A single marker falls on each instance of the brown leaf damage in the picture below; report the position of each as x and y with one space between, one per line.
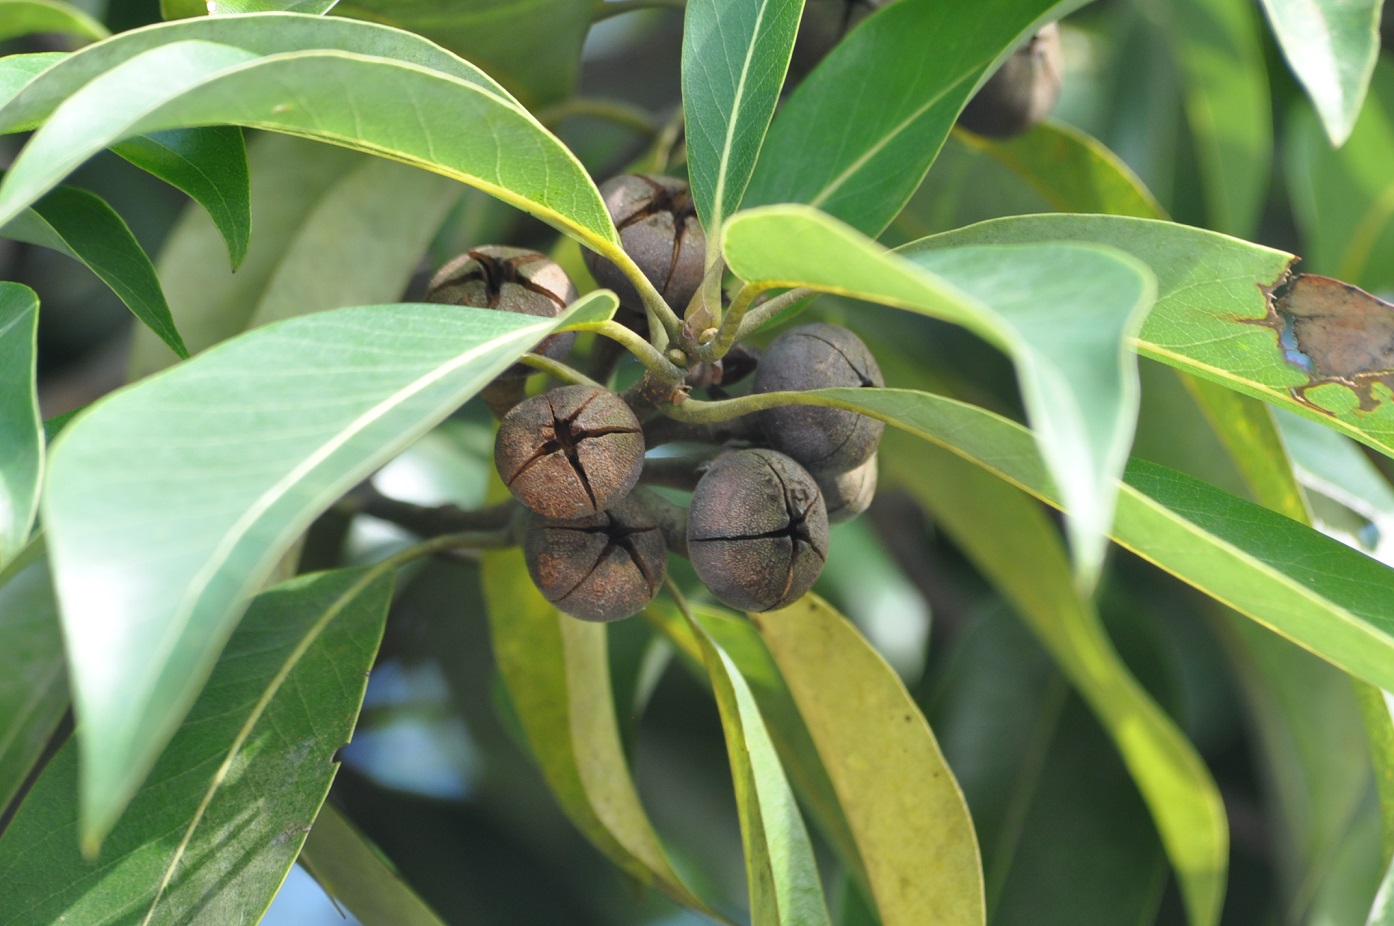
1336 333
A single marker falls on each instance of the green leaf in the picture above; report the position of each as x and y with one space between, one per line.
33 683
1249 433
182 9
905 809
1071 170
262 33
169 502
208 164
354 872
540 64
557 675
1331 46
1063 314
858 134
780 868
1046 770
1335 467
334 228
210 837
231 7
1315 591
24 17
1308 732
81 225
18 70
1344 199
734 57
1016 547
370 104
739 639
1211 317
1224 87
21 433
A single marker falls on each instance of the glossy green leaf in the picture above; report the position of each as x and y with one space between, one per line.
210 165
1331 46
33 683
169 503
540 65
354 872
781 871
262 33
231 7
905 809
557 675
740 641
1011 542
24 17
1066 839
1063 314
210 837
1335 466
1071 171
1224 87
1209 315
293 181
1343 199
734 57
1315 591
21 433
858 134
334 228
323 95
81 225
18 70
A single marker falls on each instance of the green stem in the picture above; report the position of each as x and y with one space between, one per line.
765 311
730 324
604 11
617 111
560 370
677 472
653 361
696 411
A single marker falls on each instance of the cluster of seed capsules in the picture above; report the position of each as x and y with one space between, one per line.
756 528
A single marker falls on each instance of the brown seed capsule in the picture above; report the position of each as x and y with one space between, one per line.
849 494
757 530
601 567
1021 93
659 229
570 452
511 280
819 356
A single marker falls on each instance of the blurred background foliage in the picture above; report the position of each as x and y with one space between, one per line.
1195 98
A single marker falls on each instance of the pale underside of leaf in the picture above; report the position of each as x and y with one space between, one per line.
169 502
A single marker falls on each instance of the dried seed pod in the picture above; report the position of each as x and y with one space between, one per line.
848 494
819 356
1021 93
757 530
570 452
511 280
601 567
659 229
